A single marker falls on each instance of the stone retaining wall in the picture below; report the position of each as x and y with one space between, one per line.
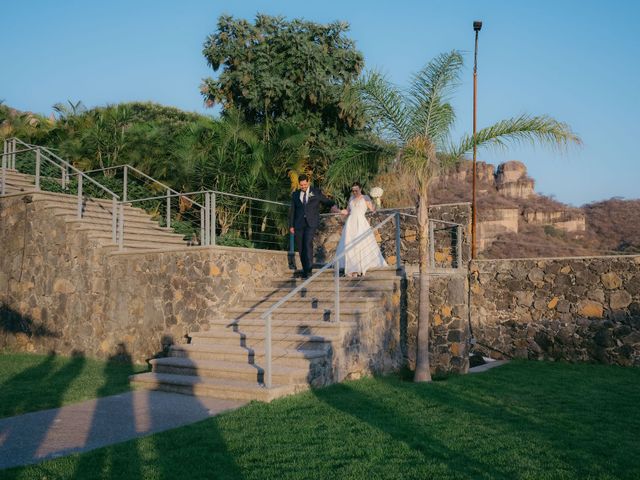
449 325
574 309
60 292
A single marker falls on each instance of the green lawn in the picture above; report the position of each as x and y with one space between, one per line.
31 382
523 420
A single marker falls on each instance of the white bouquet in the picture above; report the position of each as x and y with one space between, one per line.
376 193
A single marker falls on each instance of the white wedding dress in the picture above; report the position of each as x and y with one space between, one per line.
366 253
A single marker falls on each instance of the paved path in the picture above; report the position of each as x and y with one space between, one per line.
487 366
83 426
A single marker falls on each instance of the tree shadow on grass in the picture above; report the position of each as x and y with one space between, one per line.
151 456
19 395
101 461
384 413
53 385
559 421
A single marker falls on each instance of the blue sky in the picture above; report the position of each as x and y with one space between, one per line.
574 60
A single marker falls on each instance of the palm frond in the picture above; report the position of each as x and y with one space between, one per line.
430 90
523 129
387 107
359 160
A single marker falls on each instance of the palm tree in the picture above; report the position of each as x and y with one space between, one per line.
418 124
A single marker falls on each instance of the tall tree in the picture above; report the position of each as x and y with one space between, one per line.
419 122
276 70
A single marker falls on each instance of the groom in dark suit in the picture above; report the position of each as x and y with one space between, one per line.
304 217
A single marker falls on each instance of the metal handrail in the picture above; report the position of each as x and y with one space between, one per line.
266 316
207 211
57 158
131 167
10 151
66 164
324 268
200 192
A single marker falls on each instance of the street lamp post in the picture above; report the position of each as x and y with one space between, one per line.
477 25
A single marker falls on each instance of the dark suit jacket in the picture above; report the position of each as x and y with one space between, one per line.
309 215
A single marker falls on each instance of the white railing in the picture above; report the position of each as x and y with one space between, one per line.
335 264
213 205
45 156
208 212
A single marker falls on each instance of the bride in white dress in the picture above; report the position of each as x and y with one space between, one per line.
366 253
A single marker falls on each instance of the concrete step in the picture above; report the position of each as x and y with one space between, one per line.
235 353
347 302
381 272
281 374
18 181
89 208
104 218
65 198
218 388
96 214
249 326
323 292
359 282
87 224
297 314
9 188
282 356
255 340
15 175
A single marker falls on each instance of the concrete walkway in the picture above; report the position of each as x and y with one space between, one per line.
488 366
79 427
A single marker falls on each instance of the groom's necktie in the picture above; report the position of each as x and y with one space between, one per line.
304 202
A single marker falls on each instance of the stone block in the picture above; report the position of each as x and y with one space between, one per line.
611 280
536 275
590 309
619 299
62 285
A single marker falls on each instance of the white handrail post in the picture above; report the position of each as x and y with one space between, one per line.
63 177
397 222
121 228
202 213
79 195
336 281
125 182
207 218
38 160
13 154
267 352
114 220
168 208
213 218
4 167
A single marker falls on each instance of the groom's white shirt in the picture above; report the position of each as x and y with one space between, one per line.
302 195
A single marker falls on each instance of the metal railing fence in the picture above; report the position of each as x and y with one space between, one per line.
52 173
206 217
335 264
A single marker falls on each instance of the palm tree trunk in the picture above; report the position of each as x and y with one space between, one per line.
423 371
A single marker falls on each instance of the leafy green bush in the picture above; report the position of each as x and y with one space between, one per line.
233 239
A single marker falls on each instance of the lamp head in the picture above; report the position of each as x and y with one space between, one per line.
477 25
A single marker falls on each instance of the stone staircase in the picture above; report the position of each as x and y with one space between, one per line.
308 348
140 231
